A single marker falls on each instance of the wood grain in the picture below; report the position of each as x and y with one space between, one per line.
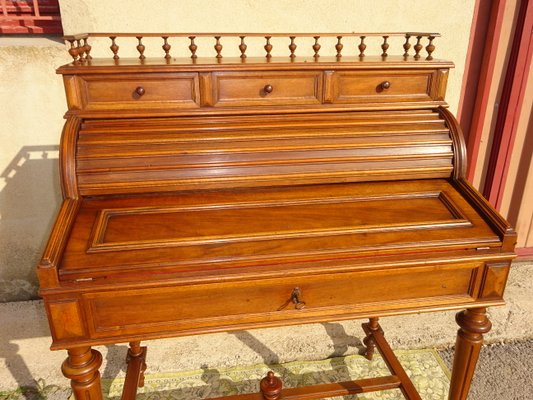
212 194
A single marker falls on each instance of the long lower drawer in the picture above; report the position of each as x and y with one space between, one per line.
214 306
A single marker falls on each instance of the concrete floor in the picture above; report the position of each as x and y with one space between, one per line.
504 371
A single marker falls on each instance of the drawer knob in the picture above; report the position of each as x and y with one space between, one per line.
268 89
385 85
140 90
295 298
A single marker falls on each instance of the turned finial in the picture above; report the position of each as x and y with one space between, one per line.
271 387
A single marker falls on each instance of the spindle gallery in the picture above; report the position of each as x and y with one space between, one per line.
80 49
321 181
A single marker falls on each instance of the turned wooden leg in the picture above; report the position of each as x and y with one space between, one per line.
135 373
81 367
473 324
271 386
368 341
136 351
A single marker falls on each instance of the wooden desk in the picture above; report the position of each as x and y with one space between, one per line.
217 194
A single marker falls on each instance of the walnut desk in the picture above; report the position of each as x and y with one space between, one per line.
207 194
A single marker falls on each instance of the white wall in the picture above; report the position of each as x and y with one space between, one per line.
32 104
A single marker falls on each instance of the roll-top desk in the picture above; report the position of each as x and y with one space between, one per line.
207 194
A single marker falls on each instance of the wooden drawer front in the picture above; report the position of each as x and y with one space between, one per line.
386 86
120 92
251 88
204 307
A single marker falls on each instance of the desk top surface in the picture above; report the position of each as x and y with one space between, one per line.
218 230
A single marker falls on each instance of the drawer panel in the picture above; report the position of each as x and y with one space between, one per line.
266 88
201 307
140 91
386 86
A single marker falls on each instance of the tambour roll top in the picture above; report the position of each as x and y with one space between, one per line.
167 154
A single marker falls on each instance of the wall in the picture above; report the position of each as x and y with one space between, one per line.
33 102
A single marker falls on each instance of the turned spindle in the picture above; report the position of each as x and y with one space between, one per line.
166 47
417 47
193 47
268 46
316 46
87 48
406 45
81 50
73 51
271 387
243 47
339 47
114 47
218 47
134 352
430 48
384 46
369 341
292 46
140 48
362 46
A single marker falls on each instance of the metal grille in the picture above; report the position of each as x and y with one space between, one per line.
30 16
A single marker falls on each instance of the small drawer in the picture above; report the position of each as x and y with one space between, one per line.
139 91
205 307
382 87
266 88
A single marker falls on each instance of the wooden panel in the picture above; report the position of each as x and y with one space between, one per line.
386 86
248 88
150 227
230 229
494 280
66 320
269 299
99 92
263 150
